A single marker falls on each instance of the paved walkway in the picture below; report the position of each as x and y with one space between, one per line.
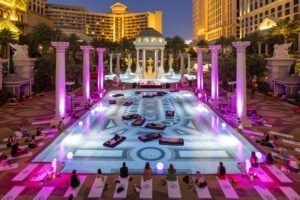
277 113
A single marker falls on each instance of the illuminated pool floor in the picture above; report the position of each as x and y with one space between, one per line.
206 141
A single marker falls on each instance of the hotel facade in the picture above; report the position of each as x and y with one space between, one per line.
215 18
119 22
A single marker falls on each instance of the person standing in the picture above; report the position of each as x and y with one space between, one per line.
147 172
171 173
75 182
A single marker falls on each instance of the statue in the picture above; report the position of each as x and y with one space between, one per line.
21 51
281 51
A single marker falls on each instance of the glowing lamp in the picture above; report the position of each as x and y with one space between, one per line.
70 155
258 155
199 95
223 125
248 165
160 166
100 95
92 111
80 123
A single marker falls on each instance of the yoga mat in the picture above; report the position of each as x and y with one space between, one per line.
25 172
42 173
96 192
174 189
228 189
264 193
262 175
146 191
44 193
290 193
3 146
12 166
13 193
278 173
52 130
41 122
124 183
202 193
75 191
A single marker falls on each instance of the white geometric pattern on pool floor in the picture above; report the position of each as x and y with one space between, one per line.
206 142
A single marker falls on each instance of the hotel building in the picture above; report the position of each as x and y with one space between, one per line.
215 18
119 22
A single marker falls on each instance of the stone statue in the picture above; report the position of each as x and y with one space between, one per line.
281 51
21 51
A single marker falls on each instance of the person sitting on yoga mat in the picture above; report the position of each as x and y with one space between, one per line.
171 173
124 171
10 141
269 159
32 143
200 180
16 151
222 171
147 172
75 182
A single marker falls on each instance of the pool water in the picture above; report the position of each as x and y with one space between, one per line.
207 138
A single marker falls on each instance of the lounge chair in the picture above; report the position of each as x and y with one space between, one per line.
174 90
171 141
127 103
113 142
161 93
112 101
118 95
138 122
149 137
148 96
155 126
170 113
127 117
137 92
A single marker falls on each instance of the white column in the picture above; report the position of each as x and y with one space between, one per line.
138 68
162 59
214 71
189 63
100 80
110 63
155 61
200 69
118 56
181 64
60 80
170 63
241 90
128 63
86 72
144 62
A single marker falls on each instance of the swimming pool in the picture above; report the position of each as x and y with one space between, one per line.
207 138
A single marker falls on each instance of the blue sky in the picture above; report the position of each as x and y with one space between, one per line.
177 14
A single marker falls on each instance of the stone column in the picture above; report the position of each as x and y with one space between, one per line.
100 80
181 64
128 63
110 63
162 59
241 90
189 63
259 48
138 68
60 81
170 63
86 72
200 69
155 61
266 50
118 56
214 71
144 62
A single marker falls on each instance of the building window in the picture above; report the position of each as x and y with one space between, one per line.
272 10
287 5
279 7
287 12
296 2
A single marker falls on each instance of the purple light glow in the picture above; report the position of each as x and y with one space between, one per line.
62 104
70 155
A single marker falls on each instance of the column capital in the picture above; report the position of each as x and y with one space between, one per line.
188 55
100 50
156 50
200 50
111 55
214 48
170 55
181 55
86 49
118 55
241 46
129 55
60 46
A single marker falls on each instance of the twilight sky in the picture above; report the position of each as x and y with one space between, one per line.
177 14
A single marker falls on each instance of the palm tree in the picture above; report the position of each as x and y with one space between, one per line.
287 29
74 44
202 43
224 42
256 38
6 37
